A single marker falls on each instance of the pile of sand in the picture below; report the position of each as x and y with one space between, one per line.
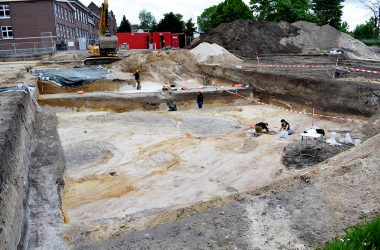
213 54
163 66
314 38
247 37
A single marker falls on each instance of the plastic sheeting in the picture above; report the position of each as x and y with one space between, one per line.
72 76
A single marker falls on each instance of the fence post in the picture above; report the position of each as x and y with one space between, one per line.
14 47
35 50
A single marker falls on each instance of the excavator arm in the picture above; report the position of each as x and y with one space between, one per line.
104 51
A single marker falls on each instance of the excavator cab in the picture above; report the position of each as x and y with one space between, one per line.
104 51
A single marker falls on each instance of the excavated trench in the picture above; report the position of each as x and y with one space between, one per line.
88 176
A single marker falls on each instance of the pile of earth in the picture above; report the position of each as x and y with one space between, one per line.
160 65
213 54
312 153
247 38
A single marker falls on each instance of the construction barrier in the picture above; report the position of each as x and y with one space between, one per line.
318 66
305 113
363 70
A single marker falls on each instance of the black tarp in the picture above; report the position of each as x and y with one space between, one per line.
72 76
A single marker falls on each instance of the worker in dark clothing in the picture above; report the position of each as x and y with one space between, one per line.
284 125
137 78
172 106
262 126
200 99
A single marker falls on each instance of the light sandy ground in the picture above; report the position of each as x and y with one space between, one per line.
12 73
120 164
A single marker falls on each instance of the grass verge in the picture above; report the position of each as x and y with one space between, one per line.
361 237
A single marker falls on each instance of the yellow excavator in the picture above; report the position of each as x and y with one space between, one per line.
104 51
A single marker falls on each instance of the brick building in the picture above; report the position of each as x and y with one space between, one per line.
35 23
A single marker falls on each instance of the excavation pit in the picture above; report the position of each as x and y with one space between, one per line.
150 162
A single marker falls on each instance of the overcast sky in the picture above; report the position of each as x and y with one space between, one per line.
354 12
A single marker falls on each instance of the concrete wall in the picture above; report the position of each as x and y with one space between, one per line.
330 95
16 130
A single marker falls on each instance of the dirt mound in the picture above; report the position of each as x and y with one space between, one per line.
246 38
160 65
213 54
292 157
314 38
66 56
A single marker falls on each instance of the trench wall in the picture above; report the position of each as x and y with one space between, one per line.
16 130
146 101
332 96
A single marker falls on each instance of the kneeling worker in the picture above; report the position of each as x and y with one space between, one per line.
172 106
260 126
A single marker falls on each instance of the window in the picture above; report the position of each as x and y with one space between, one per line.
66 14
6 31
4 11
56 10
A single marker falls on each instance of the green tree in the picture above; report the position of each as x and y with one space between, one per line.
190 27
147 20
281 10
225 12
263 9
206 21
125 26
374 7
344 27
328 12
367 30
172 23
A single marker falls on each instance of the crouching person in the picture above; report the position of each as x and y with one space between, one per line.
172 106
285 129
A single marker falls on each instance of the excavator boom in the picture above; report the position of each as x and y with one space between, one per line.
104 52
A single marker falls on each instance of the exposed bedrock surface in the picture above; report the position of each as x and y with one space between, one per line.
16 131
331 96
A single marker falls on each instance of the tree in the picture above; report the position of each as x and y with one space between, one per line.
281 10
125 26
225 12
367 30
263 9
206 21
328 12
190 27
147 20
374 7
172 23
344 27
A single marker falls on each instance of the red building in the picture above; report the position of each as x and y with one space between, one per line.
135 40
162 39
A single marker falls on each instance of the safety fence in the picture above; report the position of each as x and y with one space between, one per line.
306 113
27 48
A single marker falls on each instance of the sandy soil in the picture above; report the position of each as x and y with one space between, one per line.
141 163
12 73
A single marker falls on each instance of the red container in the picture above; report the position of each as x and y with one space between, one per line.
138 40
162 39
178 40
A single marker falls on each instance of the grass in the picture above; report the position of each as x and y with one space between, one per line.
361 237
